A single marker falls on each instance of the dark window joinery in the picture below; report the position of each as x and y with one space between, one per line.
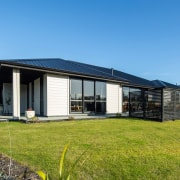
87 96
142 103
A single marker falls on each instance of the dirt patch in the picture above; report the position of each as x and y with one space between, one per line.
15 171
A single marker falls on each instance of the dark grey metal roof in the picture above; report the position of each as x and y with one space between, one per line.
163 84
66 66
76 68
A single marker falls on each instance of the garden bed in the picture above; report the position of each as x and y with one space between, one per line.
17 171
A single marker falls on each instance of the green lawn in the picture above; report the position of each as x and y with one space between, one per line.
118 148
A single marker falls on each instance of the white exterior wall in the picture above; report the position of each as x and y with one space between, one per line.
120 99
114 98
57 95
45 94
37 96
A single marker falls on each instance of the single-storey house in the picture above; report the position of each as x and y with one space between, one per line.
57 87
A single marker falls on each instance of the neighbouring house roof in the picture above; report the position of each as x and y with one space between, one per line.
76 68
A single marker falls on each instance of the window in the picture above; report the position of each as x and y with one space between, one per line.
76 95
133 102
142 103
136 102
125 108
100 97
87 96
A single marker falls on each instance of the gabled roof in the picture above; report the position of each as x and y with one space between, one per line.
76 68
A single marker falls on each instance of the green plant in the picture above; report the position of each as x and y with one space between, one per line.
63 173
34 119
71 118
43 175
8 101
118 114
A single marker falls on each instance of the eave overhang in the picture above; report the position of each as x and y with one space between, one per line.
61 72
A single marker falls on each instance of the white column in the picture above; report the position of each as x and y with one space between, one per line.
16 94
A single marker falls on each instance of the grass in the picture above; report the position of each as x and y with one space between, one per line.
118 148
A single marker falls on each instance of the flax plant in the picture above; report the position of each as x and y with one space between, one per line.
63 173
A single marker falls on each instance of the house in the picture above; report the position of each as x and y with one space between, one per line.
57 87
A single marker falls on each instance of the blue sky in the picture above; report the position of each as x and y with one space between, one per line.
140 37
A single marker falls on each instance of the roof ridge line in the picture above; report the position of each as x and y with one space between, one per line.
32 59
87 65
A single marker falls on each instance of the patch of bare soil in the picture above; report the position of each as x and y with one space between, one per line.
15 171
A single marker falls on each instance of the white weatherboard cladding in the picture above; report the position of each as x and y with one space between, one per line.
45 94
113 98
57 95
37 96
120 99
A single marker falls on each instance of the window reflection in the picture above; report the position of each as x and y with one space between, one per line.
76 89
89 90
125 108
136 102
100 91
89 96
76 106
100 97
142 103
76 95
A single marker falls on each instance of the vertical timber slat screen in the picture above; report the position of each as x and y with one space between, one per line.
171 105
153 105
142 103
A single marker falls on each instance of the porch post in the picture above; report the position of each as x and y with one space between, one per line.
16 94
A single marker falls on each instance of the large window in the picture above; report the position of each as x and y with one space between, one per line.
142 103
87 96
